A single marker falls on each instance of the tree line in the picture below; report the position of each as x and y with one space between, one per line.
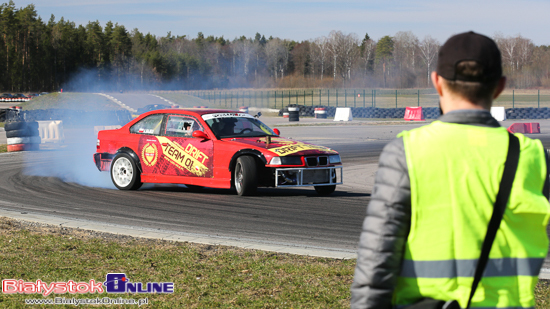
36 55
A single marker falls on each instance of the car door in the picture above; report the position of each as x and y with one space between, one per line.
180 154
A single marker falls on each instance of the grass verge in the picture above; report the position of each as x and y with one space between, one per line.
204 276
3 148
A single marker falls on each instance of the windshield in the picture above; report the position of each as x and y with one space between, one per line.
236 125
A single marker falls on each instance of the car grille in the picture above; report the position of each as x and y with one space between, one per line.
317 161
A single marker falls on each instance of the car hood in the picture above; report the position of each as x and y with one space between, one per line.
279 146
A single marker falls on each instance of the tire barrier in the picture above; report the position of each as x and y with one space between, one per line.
22 135
528 113
429 112
293 113
320 113
364 112
10 100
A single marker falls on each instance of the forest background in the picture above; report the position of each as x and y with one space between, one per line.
40 56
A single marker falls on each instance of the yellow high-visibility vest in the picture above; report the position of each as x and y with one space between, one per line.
455 172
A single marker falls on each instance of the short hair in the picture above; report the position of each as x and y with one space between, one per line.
480 93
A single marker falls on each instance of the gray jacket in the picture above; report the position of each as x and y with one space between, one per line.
388 219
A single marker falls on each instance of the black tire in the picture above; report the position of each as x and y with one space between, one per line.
15 125
18 133
245 176
125 173
22 133
325 190
33 125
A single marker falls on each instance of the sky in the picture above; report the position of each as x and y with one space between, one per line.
309 19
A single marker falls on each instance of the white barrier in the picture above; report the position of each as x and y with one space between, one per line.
498 113
51 131
343 114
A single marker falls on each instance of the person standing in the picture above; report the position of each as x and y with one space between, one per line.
434 193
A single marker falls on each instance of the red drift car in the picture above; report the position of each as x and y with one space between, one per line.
212 148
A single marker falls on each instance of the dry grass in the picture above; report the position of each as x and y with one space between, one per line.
204 276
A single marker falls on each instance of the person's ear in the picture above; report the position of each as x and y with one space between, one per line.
437 81
500 87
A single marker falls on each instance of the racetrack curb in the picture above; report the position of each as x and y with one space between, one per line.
126 230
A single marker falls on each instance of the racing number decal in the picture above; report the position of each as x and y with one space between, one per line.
189 157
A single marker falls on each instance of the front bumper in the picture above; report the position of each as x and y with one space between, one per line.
312 176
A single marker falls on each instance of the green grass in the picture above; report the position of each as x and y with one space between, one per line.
204 276
3 148
71 100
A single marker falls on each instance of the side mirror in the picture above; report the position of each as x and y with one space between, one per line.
258 115
200 134
277 131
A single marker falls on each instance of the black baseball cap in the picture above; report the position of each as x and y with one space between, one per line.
470 46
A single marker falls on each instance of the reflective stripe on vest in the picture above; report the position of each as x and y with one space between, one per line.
466 268
405 306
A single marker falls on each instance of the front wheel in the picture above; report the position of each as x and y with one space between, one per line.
325 190
124 173
245 176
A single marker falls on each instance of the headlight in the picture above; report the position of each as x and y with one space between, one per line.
334 159
286 161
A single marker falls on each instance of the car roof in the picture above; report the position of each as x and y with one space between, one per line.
191 111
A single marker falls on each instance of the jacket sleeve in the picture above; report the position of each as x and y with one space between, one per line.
385 230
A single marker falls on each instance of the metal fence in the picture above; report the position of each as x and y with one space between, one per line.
382 98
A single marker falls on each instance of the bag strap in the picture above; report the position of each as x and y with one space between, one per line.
508 175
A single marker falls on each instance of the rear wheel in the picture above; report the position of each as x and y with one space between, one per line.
245 176
124 173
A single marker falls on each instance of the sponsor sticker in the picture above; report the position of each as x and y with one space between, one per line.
297 147
187 157
225 115
149 154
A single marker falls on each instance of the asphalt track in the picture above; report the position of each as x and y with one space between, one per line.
62 185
